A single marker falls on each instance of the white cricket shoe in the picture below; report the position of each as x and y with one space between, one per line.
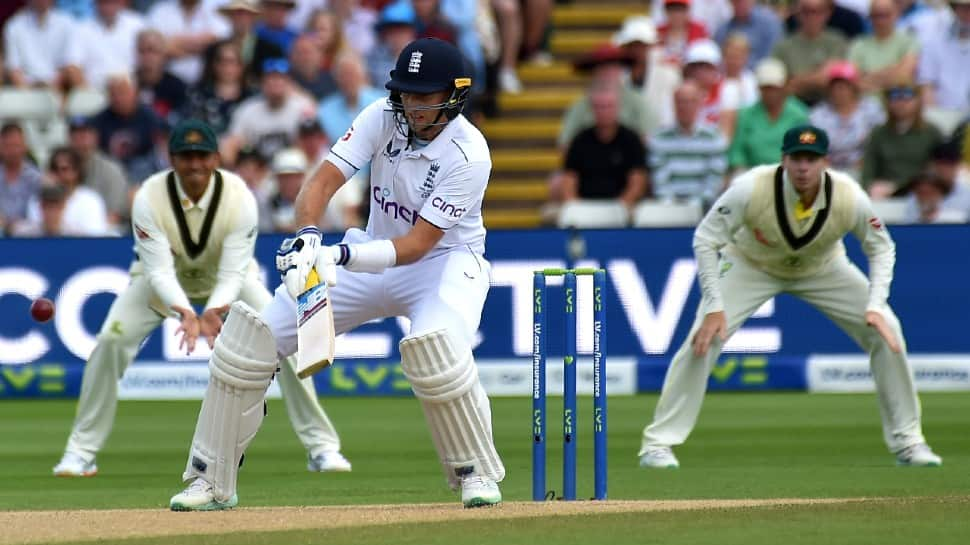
72 465
659 457
199 497
479 491
918 455
327 461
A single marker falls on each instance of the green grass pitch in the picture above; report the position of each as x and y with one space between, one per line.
745 446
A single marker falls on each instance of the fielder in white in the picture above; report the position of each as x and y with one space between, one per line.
422 256
195 232
779 229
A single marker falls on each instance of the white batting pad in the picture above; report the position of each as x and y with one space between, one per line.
241 368
445 379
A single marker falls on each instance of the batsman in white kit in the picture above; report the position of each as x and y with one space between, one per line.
779 229
195 232
422 256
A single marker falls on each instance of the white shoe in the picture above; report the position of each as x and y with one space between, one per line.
508 81
479 491
199 497
659 457
918 455
72 465
328 460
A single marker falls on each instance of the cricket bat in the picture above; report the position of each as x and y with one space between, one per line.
314 327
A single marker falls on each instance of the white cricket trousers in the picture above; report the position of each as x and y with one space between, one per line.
841 292
129 321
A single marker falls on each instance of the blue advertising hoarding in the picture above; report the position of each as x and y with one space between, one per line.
652 295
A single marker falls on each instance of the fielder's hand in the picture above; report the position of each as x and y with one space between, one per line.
714 324
189 328
875 320
210 323
296 257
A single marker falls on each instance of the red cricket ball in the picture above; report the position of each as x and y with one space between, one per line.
42 309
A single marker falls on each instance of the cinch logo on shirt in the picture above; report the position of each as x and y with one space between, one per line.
393 208
448 208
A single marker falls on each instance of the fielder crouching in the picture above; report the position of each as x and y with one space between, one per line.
422 256
779 229
195 232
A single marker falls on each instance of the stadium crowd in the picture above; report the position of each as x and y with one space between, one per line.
679 102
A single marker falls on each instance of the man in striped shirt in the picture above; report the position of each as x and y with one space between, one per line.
688 160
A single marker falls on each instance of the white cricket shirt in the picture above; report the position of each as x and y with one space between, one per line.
443 182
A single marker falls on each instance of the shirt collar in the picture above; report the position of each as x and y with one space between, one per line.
203 203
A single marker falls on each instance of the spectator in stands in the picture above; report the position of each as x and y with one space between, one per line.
944 85
325 28
688 161
758 23
253 167
955 193
190 28
395 28
607 160
713 14
37 44
289 169
105 43
19 180
537 15
761 128
432 23
888 54
52 200
924 20
679 31
273 27
221 90
100 172
157 87
702 65
931 200
508 16
357 21
739 88
156 160
85 213
840 19
268 120
253 48
609 67
306 61
126 126
808 52
899 149
312 141
848 116
656 81
338 110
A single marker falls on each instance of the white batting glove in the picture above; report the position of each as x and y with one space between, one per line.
296 257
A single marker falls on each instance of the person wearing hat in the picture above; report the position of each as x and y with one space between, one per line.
396 27
421 256
655 80
273 25
702 65
779 229
195 232
608 67
269 119
252 48
759 128
848 115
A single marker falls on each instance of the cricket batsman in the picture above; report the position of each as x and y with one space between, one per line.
421 256
779 229
195 231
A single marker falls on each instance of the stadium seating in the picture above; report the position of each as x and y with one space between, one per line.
890 210
652 213
584 214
